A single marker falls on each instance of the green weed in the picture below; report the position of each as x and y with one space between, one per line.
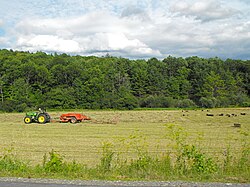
9 163
54 163
107 157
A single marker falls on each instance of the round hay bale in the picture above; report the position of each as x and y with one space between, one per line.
210 114
238 125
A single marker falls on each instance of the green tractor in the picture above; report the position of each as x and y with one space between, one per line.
37 117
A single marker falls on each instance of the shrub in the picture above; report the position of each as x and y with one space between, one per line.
128 102
186 103
208 102
158 102
245 104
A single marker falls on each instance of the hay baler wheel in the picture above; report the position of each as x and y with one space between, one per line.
27 120
73 120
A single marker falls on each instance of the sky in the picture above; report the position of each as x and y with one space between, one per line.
135 29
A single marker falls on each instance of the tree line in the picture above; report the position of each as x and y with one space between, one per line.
60 81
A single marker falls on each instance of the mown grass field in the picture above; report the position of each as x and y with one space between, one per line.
83 141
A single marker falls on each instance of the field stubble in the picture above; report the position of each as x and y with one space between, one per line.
83 141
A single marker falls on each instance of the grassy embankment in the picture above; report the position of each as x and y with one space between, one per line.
148 145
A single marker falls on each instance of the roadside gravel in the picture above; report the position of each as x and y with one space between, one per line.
71 183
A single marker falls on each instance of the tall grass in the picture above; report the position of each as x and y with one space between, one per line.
185 162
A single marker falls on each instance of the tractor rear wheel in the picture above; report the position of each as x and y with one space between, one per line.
27 120
41 118
47 117
73 120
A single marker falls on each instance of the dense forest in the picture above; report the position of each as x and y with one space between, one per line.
32 80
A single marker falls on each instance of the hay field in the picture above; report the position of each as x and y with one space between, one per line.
83 141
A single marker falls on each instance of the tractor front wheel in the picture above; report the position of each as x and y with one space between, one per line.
41 118
27 120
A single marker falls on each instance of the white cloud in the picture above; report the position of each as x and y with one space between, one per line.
82 35
205 10
47 43
3 41
130 28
